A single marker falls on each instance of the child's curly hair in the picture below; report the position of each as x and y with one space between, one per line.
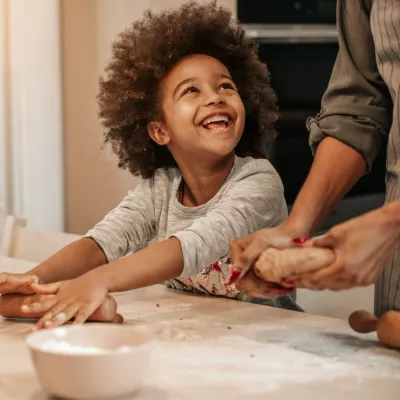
145 53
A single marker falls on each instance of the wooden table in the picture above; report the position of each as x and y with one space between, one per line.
211 348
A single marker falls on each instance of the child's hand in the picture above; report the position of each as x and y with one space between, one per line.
16 283
246 251
77 298
252 285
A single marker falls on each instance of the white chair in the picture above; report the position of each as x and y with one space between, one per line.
24 243
336 304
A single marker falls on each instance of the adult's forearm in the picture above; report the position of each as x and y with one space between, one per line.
391 213
336 168
70 262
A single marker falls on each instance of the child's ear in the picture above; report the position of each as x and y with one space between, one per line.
158 133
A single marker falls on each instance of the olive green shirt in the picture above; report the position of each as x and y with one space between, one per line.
361 104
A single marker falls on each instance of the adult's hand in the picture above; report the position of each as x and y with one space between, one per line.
361 245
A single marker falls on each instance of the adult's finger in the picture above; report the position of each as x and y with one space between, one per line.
328 240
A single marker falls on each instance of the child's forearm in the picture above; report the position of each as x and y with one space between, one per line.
154 264
70 262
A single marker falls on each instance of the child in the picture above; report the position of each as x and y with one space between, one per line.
187 105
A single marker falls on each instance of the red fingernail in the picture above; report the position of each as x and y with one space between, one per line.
235 273
300 240
288 282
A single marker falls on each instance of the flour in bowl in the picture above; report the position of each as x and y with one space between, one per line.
63 347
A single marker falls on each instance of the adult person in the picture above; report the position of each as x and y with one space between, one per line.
359 116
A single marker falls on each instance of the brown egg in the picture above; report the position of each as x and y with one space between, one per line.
363 321
389 329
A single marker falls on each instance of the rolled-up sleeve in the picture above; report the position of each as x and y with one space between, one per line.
356 107
130 226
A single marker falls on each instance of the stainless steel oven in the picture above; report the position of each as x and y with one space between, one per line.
298 42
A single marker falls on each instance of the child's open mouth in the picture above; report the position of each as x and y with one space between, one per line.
217 123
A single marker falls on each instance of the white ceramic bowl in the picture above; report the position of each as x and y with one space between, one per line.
115 367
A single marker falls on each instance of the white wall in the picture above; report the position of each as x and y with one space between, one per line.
3 112
31 154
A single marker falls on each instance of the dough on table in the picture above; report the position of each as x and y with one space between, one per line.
10 307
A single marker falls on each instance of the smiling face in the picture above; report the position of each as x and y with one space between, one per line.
203 112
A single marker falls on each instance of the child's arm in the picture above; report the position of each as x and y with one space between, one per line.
70 262
154 264
81 297
128 227
255 200
249 204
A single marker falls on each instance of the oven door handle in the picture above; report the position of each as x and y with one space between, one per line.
276 34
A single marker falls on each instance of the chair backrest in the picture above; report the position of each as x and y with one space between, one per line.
336 304
19 241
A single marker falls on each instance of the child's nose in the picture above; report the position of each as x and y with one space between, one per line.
215 98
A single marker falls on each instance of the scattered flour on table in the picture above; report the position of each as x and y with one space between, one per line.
240 363
185 356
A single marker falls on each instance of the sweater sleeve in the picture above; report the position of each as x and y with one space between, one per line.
130 226
356 107
249 204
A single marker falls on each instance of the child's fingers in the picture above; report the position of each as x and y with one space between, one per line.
51 314
22 280
49 288
263 243
41 324
237 248
251 254
82 315
3 277
61 315
16 284
251 285
30 281
39 306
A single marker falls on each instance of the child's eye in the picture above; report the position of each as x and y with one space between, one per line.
227 85
190 89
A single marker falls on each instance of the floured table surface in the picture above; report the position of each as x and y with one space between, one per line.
211 348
